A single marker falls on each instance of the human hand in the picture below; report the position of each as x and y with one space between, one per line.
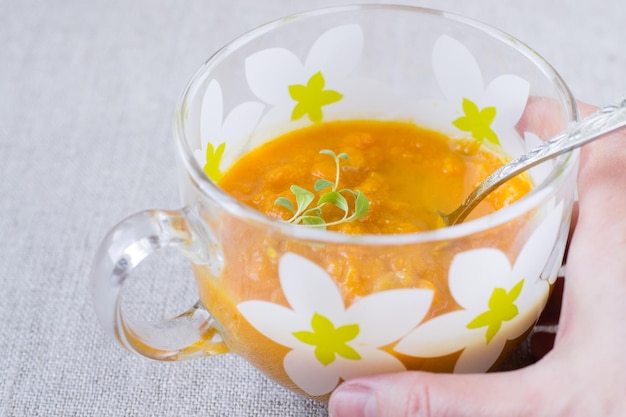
585 373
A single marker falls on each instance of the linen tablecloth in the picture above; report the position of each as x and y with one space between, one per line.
87 94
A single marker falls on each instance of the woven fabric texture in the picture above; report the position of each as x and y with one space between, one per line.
87 94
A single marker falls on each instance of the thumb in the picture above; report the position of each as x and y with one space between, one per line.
415 394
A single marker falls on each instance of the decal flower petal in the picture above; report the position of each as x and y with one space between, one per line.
539 247
337 50
485 113
218 136
316 379
456 70
499 302
330 342
263 315
308 373
308 288
471 283
383 327
302 91
271 71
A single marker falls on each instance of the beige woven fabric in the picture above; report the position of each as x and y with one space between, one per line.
87 92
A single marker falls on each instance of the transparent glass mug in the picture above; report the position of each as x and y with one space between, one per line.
308 307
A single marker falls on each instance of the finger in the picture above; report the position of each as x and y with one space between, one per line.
585 109
440 395
534 118
596 263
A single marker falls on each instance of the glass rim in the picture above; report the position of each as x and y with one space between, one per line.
562 167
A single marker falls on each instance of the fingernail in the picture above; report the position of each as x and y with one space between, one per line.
353 401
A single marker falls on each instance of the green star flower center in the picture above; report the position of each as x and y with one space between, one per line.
328 340
310 98
477 122
213 161
501 308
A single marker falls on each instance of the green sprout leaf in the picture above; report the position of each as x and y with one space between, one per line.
312 216
362 205
334 198
314 221
286 203
303 197
321 184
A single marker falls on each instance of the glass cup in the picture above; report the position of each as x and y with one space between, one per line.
311 308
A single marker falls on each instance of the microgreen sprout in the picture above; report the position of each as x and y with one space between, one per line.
303 214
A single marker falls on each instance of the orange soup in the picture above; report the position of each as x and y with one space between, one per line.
408 174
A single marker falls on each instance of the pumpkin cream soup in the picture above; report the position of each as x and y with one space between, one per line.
403 175
407 173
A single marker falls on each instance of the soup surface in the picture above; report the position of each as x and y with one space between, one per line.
407 173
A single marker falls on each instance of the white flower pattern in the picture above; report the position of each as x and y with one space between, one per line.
218 135
499 302
330 342
487 113
300 93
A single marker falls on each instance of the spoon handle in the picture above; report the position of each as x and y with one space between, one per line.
604 121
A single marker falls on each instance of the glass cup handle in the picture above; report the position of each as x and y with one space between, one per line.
189 335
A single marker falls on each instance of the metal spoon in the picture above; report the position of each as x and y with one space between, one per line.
604 121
